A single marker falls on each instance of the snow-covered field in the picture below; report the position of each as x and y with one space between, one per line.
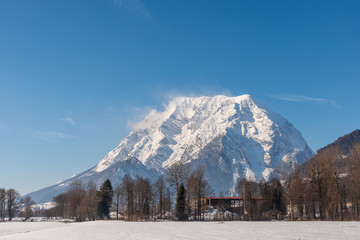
179 230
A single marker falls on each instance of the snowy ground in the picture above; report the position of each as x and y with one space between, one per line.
179 230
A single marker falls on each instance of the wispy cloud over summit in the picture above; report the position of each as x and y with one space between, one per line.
301 98
69 120
47 135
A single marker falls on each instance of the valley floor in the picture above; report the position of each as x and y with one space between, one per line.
179 230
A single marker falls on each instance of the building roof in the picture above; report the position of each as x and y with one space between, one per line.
232 198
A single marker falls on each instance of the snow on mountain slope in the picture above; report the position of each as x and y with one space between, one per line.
234 137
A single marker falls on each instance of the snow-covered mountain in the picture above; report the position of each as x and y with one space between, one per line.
234 137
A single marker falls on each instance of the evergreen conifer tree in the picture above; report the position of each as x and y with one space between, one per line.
180 204
105 197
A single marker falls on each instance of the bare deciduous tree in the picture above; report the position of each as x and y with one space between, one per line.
117 198
286 171
27 207
316 172
335 167
12 200
143 191
197 188
87 209
75 194
354 180
248 190
177 174
160 188
61 202
2 203
128 188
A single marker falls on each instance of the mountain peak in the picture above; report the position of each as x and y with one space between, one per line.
233 137
239 134
188 106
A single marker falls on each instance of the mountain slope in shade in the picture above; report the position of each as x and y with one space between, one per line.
234 137
346 142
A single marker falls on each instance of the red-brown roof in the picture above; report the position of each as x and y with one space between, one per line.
232 198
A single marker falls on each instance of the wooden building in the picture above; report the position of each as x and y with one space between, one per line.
237 205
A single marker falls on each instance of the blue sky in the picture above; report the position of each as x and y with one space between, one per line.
74 74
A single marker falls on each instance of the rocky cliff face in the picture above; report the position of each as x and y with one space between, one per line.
234 137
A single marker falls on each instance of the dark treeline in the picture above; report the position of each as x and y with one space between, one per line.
326 187
176 196
133 200
137 199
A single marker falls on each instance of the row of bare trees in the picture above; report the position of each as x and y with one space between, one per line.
138 199
81 202
11 205
327 187
134 200
190 188
78 202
